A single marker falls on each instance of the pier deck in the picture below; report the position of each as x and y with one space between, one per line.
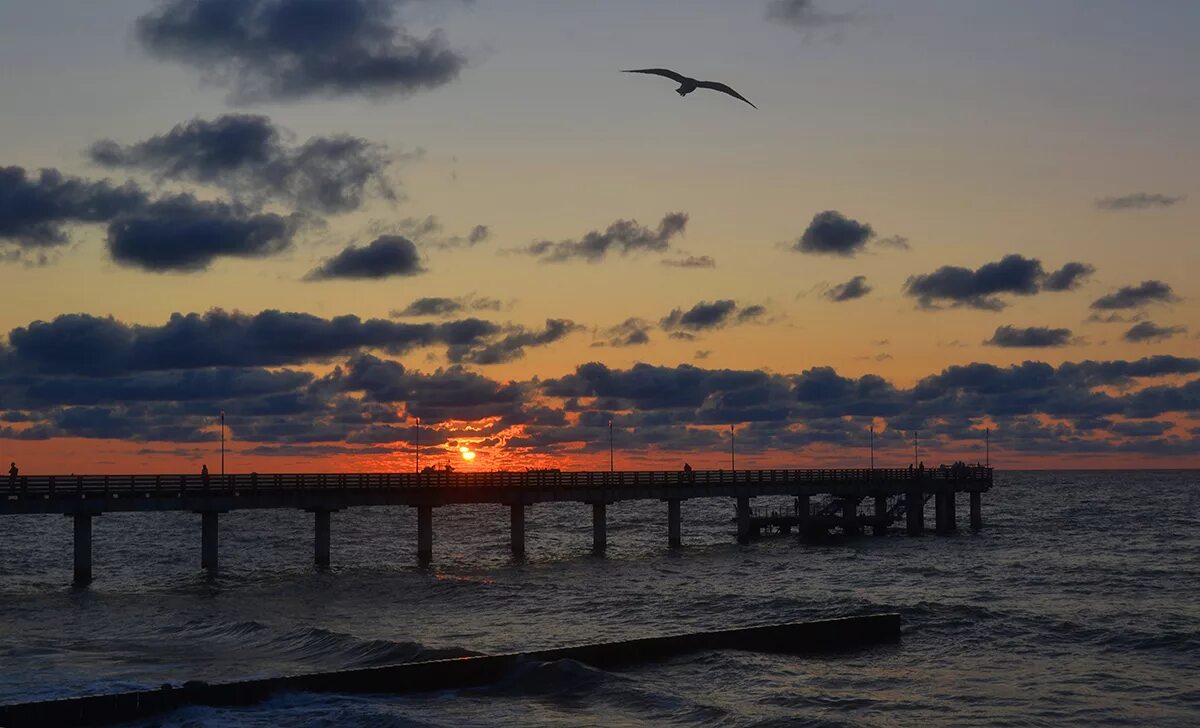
86 496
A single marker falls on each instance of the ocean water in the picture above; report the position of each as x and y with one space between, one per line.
1078 604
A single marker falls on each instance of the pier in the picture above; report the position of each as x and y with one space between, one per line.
892 495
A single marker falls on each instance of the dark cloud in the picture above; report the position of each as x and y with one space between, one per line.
897 242
832 233
433 306
429 232
1138 201
93 346
623 236
804 14
35 208
854 288
691 261
1148 331
703 316
512 345
248 156
182 234
1012 275
384 257
1069 277
283 50
1129 297
1031 337
630 332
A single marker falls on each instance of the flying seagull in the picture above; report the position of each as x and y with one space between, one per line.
688 85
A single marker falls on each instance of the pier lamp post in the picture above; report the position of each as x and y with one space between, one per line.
916 447
417 447
732 452
987 445
872 446
611 462
222 444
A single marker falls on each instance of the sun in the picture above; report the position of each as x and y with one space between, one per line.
467 453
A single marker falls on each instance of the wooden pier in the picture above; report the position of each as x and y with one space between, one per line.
896 494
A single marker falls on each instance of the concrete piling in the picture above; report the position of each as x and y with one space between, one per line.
599 527
83 548
881 509
914 509
208 540
424 535
674 523
321 518
743 519
517 528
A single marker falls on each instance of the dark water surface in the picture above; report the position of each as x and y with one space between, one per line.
1079 604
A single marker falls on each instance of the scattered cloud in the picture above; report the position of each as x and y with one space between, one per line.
630 332
34 209
384 257
804 14
444 307
1148 331
832 233
1015 275
1030 337
285 50
854 288
691 261
897 242
248 156
512 345
623 236
181 234
1132 297
430 233
1138 201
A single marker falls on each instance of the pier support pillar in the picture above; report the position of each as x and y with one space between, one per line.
803 509
83 548
880 515
424 535
951 512
914 511
976 510
939 513
743 519
517 528
321 538
674 523
599 527
208 540
850 524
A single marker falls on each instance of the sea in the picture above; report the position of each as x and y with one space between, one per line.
1078 604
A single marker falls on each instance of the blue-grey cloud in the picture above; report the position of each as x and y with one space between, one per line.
1138 201
1069 277
248 156
385 257
832 233
854 288
804 14
981 288
703 316
441 306
512 345
630 332
34 209
1131 297
691 261
1148 331
283 50
182 234
1029 337
623 236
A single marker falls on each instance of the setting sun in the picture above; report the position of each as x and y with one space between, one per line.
467 453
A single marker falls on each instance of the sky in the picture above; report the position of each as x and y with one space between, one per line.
327 218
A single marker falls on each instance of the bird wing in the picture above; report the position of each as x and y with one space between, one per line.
666 73
714 86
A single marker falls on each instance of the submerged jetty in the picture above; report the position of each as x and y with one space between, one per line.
892 495
799 638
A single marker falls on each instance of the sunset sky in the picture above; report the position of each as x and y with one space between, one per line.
329 217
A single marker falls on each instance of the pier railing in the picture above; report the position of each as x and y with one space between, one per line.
109 485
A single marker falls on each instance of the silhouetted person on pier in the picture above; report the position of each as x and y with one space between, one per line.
13 470
688 474
204 474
